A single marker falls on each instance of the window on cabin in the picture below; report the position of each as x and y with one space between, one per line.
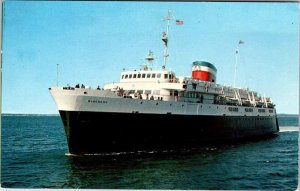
166 76
158 75
131 91
235 109
139 91
156 92
126 76
153 76
170 76
148 75
134 75
139 76
130 75
248 110
147 91
144 75
122 76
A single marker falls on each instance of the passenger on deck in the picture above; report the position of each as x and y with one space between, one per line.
98 88
176 95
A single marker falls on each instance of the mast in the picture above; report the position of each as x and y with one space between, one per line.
57 74
165 36
236 60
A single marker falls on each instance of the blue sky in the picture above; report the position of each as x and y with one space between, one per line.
93 41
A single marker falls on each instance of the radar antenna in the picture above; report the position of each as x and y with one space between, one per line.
149 58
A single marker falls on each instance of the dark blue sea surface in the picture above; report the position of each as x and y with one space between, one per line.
34 155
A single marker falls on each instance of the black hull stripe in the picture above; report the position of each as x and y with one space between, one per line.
98 132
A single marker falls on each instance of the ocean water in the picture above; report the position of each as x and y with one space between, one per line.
35 155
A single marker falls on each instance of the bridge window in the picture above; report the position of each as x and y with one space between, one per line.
158 75
148 75
130 75
122 76
166 76
126 76
144 75
153 76
139 76
134 75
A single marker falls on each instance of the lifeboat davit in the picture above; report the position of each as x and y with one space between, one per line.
204 71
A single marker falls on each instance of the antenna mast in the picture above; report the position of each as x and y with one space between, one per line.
236 60
165 37
57 74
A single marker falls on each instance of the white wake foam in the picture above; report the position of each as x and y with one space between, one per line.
288 129
69 154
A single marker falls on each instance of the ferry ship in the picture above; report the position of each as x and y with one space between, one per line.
153 108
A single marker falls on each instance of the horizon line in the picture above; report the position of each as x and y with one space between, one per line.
58 114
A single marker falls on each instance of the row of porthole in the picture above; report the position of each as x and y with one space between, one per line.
170 104
200 106
229 108
183 105
254 119
258 119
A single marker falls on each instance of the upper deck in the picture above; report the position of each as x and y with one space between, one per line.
146 75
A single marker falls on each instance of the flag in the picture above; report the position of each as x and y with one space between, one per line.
241 42
179 22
